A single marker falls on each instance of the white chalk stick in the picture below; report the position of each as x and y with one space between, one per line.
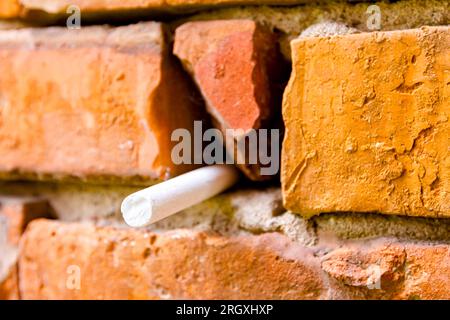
167 198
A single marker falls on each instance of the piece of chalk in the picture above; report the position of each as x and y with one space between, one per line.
167 198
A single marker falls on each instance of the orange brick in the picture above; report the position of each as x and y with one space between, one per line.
389 270
95 102
137 264
236 66
82 261
367 124
9 9
15 214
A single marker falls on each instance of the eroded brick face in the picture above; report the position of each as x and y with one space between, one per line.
181 264
368 124
114 263
95 102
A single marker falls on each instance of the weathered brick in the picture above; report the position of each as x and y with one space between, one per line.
82 261
15 214
389 270
96 102
236 66
367 124
9 9
180 264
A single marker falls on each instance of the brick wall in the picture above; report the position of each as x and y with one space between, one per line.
358 210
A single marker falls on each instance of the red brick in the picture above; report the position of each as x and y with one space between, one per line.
392 270
186 264
236 66
179 264
92 103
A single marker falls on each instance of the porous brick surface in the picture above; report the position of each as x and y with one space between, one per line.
114 263
92 103
367 124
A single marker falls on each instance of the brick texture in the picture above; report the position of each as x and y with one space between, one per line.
367 124
15 214
116 263
235 64
91 112
91 103
180 264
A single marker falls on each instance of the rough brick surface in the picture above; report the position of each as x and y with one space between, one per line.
236 66
384 270
15 214
367 124
137 264
95 102
183 264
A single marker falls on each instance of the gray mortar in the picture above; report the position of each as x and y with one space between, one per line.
363 225
73 202
247 211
